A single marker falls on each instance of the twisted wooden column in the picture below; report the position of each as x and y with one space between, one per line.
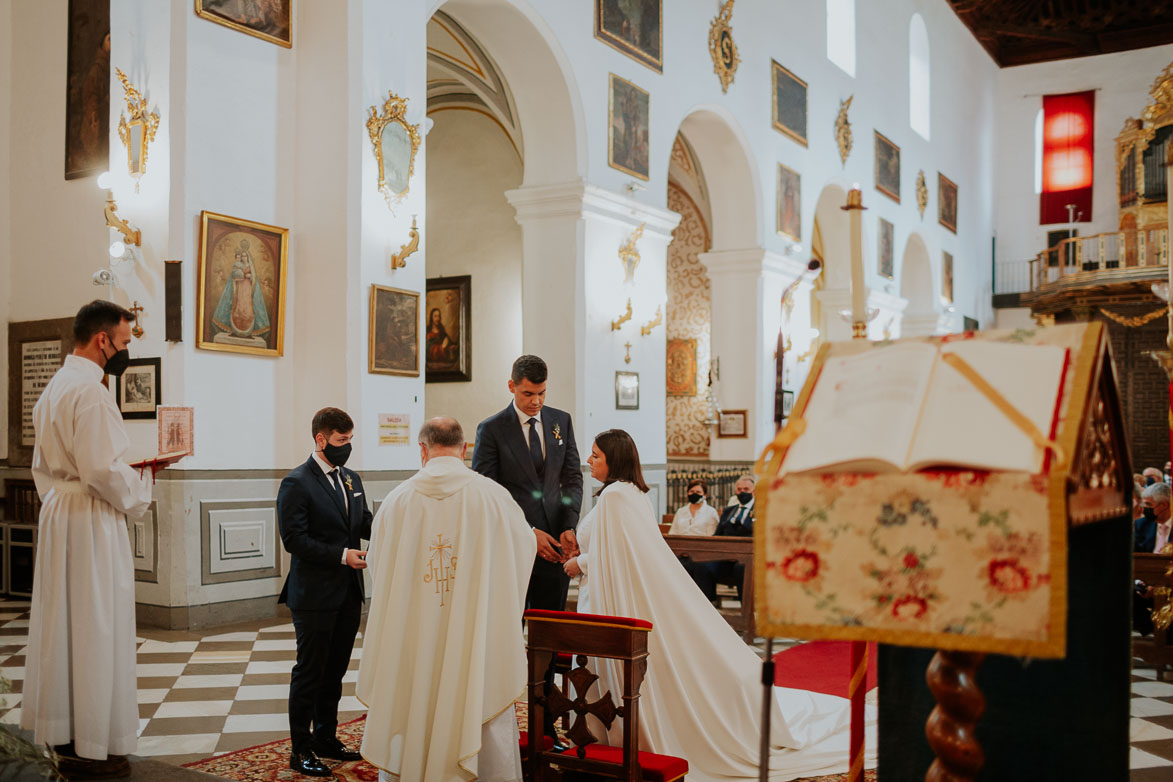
951 728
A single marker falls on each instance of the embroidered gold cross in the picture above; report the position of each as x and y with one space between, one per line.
441 568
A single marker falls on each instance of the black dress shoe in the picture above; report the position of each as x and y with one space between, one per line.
307 763
334 749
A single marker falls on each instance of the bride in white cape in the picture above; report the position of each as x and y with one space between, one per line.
701 698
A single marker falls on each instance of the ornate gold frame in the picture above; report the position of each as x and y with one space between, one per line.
394 112
943 182
620 45
721 46
147 122
611 127
214 17
277 321
775 71
371 369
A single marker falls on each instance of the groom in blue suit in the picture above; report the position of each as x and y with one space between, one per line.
529 449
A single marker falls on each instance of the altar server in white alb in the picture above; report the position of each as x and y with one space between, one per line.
80 688
443 657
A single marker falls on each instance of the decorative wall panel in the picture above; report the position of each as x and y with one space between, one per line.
144 544
238 540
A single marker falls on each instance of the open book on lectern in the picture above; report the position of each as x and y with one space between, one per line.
903 407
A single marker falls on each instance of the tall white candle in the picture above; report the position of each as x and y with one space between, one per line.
858 289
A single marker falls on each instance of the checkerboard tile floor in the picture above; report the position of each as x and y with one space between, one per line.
210 692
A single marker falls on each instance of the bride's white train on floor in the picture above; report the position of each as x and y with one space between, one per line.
701 697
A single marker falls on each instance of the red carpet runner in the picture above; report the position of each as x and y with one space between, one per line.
821 666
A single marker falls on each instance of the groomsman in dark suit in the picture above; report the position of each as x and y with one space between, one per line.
737 521
529 449
322 512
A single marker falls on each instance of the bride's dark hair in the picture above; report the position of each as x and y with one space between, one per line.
622 458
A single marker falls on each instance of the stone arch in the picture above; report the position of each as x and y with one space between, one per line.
918 287
731 176
538 72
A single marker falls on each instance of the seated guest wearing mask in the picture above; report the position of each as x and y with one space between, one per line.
698 517
1152 475
737 521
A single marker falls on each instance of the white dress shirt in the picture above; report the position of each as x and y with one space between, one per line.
524 419
328 470
1162 535
703 523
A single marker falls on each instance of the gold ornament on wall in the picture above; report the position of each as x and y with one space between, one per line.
922 193
399 259
137 132
396 144
843 129
616 324
646 329
629 254
722 48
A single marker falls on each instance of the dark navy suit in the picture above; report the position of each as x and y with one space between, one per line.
324 595
550 501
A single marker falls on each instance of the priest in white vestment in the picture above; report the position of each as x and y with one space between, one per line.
443 656
701 698
80 683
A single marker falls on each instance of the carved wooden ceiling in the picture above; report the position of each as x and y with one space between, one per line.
1017 32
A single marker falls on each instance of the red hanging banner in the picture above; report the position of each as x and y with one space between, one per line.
1068 154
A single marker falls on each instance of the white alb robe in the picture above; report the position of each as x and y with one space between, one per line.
702 696
80 680
443 656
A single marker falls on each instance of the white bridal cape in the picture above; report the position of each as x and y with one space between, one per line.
80 680
443 658
702 696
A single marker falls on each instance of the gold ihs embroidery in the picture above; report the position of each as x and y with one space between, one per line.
441 568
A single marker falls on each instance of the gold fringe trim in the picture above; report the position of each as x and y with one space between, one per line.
1134 322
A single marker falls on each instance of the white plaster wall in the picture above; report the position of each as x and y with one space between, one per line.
1122 84
5 206
474 232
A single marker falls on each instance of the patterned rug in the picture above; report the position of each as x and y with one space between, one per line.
270 762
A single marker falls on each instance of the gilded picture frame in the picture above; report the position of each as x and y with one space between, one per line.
626 390
946 202
138 391
732 424
87 97
448 329
947 277
393 345
887 167
885 253
628 131
138 132
272 22
680 360
788 104
641 38
241 275
395 144
788 220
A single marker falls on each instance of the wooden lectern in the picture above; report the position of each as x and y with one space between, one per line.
1031 568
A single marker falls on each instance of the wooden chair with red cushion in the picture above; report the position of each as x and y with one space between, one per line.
590 635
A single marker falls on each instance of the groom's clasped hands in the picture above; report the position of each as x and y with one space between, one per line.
554 549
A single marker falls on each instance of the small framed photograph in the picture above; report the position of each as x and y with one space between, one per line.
946 202
787 403
732 423
887 167
627 391
140 389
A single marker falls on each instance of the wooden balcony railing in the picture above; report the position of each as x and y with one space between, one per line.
1100 257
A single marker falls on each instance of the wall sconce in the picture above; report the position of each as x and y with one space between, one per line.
137 133
646 329
626 316
130 235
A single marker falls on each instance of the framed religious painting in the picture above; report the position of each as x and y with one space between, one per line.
448 330
627 391
886 249
946 202
240 299
634 27
87 89
271 20
680 358
887 167
947 277
731 423
789 217
139 390
789 103
627 140
393 340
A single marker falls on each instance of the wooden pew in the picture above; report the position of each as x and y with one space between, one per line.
711 548
1153 649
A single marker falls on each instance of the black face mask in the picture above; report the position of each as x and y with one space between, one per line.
117 363
694 498
336 454
1149 480
1150 514
744 497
